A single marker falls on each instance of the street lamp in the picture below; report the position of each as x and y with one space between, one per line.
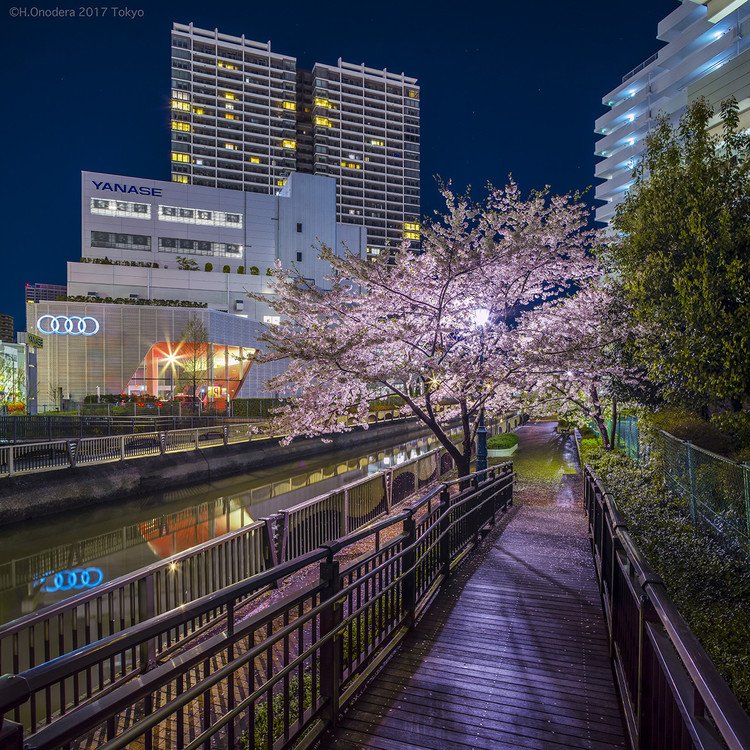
481 317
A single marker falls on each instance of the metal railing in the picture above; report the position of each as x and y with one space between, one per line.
274 674
672 695
177 580
29 458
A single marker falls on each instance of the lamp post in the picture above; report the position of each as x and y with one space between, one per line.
481 316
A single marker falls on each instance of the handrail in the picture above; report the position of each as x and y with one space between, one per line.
715 694
15 691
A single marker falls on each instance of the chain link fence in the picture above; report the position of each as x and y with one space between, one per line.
715 489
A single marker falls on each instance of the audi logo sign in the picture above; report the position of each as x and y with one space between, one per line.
62 325
72 580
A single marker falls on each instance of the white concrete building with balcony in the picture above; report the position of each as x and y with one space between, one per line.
706 52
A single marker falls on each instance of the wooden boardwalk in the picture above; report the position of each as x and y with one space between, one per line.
513 654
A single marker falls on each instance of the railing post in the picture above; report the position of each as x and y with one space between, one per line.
493 491
330 652
693 484
445 542
225 433
11 461
476 506
344 517
122 447
409 581
197 444
72 452
162 443
146 611
746 482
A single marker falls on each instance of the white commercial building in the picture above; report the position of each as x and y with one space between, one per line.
705 53
137 322
245 117
134 231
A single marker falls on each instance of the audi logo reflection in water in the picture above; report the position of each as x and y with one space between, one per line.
77 579
62 325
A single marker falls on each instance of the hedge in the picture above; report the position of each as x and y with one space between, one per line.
710 587
502 442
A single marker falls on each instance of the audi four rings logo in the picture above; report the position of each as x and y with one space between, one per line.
72 580
62 325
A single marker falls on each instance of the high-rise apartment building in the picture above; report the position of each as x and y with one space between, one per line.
6 328
706 53
44 292
245 117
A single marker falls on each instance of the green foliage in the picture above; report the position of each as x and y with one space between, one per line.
736 426
255 407
502 442
240 269
133 263
254 271
130 301
208 267
226 269
710 587
683 260
686 425
186 264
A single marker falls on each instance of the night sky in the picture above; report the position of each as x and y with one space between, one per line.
503 91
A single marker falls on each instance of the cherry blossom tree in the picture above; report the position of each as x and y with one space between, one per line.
403 324
575 365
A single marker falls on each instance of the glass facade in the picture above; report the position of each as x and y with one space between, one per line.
185 370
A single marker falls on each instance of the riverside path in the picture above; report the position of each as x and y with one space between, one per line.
514 653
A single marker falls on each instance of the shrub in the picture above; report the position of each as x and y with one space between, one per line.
254 271
688 426
208 267
710 587
502 442
226 269
736 426
240 269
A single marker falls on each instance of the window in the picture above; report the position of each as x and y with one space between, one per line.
120 208
181 106
350 165
198 247
324 121
271 320
299 257
323 103
177 125
255 160
200 216
288 105
288 143
377 142
185 158
299 226
180 178
111 240
229 95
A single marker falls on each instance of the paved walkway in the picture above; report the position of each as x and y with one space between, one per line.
513 654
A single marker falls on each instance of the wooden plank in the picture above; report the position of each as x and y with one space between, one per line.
512 654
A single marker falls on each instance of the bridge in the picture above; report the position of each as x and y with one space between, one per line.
476 616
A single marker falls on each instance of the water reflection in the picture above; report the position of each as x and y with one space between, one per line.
123 537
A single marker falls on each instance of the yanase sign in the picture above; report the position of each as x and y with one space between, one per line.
117 187
62 325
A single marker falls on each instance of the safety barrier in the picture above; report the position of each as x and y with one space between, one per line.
273 675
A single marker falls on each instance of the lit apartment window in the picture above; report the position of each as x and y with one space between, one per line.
198 111
120 208
230 116
350 165
200 216
230 146
411 226
255 160
176 156
289 105
287 143
182 106
229 95
324 121
323 103
226 66
377 142
180 178
181 95
177 125
272 320
280 183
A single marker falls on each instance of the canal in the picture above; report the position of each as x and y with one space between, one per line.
82 549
